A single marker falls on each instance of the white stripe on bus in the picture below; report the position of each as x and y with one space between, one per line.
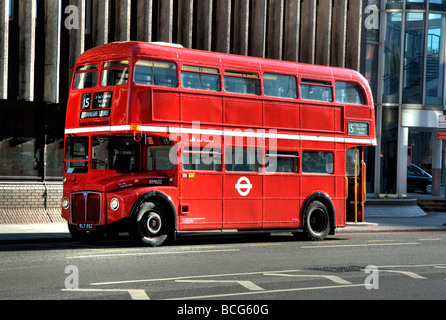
211 132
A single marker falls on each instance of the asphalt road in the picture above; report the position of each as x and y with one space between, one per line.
404 265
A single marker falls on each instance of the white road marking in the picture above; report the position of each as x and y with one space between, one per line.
335 279
406 273
361 245
267 292
247 284
116 255
189 277
136 294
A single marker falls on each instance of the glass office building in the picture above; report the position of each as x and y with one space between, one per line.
406 68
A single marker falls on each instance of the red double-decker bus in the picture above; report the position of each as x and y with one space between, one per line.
162 140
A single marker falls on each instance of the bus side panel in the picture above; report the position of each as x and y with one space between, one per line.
200 214
201 108
167 106
237 111
201 201
242 201
242 214
321 118
281 204
280 115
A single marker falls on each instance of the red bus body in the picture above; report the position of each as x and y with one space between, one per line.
133 105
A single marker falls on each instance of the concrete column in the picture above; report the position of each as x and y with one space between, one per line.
258 29
436 165
53 12
165 20
323 36
122 23
4 39
354 31
338 35
185 22
27 49
241 27
101 11
275 29
223 22
204 21
292 31
401 177
308 31
77 33
145 20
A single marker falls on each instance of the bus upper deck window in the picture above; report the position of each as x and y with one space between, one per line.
86 76
242 82
201 78
316 90
158 73
115 73
347 92
276 85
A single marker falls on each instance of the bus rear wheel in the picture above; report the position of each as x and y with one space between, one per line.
316 221
150 226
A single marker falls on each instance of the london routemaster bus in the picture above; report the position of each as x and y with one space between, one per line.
163 140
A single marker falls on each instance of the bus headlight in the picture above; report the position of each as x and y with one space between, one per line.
114 204
65 203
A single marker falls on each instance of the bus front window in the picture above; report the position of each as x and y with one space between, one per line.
114 153
76 155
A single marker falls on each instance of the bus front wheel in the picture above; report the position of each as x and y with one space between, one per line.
150 226
316 221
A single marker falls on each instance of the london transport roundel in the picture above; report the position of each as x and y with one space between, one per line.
243 186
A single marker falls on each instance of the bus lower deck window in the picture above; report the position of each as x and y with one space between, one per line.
242 159
203 159
317 162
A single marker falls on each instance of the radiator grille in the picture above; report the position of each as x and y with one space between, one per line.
86 207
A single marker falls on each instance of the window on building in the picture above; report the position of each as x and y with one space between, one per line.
435 57
413 58
392 57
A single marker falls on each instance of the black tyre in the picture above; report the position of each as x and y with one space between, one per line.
316 221
151 225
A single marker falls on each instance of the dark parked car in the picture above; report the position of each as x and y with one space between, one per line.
418 179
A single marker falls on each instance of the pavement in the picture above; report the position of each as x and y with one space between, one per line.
378 219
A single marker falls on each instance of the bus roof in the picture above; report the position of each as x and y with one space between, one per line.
128 49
